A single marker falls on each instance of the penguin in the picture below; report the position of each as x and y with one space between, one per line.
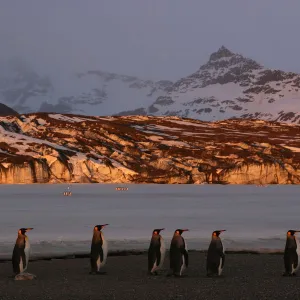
179 258
291 254
156 252
98 250
20 256
215 255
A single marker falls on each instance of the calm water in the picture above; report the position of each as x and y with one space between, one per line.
255 217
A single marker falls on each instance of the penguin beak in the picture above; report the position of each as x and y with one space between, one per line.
183 230
223 230
28 229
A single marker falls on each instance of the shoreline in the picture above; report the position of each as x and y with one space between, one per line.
119 253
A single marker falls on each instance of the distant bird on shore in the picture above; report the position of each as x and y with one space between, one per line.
20 256
179 258
291 254
98 250
215 255
156 252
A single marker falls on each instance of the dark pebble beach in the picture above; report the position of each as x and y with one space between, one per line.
245 276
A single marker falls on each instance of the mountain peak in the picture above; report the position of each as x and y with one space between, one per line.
222 52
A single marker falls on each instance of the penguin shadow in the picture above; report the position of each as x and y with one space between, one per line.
98 273
284 274
23 277
214 276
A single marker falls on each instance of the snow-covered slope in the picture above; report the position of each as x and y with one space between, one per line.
232 86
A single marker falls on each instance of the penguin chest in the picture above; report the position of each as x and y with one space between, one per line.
162 252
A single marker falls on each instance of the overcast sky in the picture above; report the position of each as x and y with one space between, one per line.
163 39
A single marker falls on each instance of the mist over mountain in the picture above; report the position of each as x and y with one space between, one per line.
229 85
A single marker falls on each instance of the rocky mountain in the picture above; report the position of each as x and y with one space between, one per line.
54 148
230 85
6 111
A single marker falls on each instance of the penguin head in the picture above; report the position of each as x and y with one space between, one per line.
99 227
22 231
291 233
180 231
157 231
216 233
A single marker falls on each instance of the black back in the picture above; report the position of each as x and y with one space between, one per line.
290 256
18 253
177 250
96 251
214 254
154 253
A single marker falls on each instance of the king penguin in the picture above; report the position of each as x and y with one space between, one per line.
98 250
20 256
179 258
215 255
291 254
156 252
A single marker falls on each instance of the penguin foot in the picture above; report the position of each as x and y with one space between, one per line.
25 276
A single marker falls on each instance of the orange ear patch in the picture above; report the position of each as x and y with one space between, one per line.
177 231
96 228
214 234
289 233
19 232
155 232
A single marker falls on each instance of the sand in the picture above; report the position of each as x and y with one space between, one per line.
246 276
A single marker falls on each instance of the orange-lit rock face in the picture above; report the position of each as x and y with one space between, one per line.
67 148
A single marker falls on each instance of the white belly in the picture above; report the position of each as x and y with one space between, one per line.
221 261
105 250
183 266
27 253
220 267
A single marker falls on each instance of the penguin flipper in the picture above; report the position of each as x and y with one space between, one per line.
18 254
151 258
186 257
223 261
16 260
101 254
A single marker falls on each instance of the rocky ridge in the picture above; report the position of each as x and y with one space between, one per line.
56 148
230 85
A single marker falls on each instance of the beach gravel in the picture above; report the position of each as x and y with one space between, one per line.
246 276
